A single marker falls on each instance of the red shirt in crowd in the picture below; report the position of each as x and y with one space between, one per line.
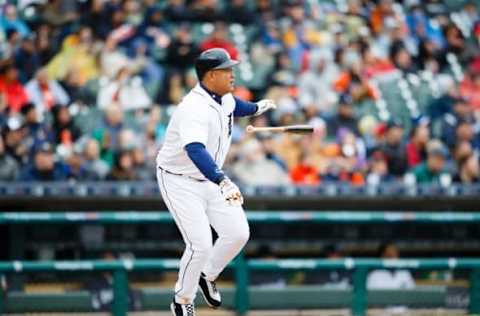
304 174
217 43
414 157
14 93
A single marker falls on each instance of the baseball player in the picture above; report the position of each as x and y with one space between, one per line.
193 186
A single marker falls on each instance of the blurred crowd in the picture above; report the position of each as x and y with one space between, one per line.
87 87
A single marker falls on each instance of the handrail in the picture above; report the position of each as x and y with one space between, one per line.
360 268
109 217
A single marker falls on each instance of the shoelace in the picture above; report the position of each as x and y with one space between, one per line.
214 287
190 310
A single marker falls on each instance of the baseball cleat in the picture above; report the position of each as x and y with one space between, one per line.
210 293
182 309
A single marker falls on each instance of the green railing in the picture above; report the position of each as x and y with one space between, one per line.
360 268
253 216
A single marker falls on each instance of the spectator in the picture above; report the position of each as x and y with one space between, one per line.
378 169
14 140
123 168
305 173
461 113
44 167
107 133
36 131
344 119
10 20
95 168
45 93
177 11
204 11
389 279
77 55
435 166
8 165
14 92
143 170
125 90
255 169
63 126
182 51
416 147
468 170
237 11
394 149
27 58
316 85
219 38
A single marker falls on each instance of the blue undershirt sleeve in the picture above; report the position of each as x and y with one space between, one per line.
204 162
244 108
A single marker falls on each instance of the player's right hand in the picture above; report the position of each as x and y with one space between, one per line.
231 192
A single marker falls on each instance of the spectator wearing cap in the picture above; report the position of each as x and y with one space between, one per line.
431 170
8 165
15 94
14 139
45 93
44 167
468 170
36 130
394 149
344 118
27 58
417 144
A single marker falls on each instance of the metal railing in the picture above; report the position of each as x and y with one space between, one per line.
150 188
360 267
134 217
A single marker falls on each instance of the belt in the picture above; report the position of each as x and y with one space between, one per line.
182 175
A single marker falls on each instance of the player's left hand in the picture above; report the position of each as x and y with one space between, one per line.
265 105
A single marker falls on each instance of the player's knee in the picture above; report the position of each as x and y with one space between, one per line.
242 236
203 250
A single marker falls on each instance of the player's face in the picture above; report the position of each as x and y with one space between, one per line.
224 81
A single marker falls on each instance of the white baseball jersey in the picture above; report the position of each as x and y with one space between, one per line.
198 118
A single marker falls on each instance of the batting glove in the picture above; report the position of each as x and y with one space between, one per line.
231 192
265 105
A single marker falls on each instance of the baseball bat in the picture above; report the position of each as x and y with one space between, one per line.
297 129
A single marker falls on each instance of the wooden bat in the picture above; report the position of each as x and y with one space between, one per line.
297 129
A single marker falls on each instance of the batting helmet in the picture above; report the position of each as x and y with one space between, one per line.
214 58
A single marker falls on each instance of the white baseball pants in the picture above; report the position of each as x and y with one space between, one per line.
195 206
